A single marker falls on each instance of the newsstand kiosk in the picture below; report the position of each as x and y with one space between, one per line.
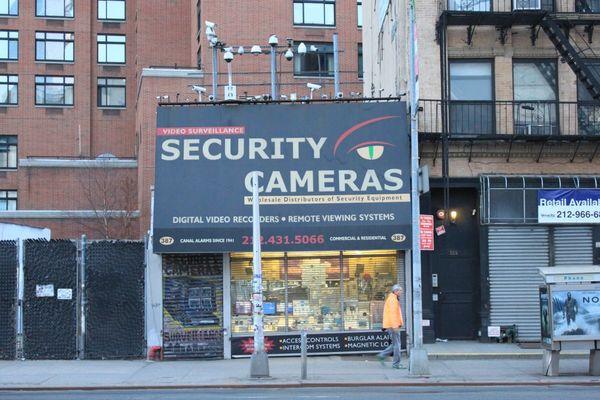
570 314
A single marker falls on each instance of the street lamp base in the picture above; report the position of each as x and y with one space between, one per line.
418 362
259 365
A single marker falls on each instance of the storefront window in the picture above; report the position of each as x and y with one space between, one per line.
314 292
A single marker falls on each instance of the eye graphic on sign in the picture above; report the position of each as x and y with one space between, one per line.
370 150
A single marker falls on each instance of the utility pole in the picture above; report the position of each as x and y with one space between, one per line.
336 66
273 42
419 362
259 364
215 72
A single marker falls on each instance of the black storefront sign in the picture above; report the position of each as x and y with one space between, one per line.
318 343
331 177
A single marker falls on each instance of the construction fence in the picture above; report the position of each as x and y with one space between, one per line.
63 299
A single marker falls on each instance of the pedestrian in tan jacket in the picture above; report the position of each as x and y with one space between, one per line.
392 322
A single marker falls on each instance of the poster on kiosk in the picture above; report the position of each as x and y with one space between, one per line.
575 312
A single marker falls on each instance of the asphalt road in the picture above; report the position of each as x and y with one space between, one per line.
356 393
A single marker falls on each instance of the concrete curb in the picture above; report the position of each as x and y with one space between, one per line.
503 356
303 385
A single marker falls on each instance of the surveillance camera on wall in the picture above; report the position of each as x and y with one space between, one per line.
228 57
313 86
256 50
289 55
273 41
339 95
211 98
198 89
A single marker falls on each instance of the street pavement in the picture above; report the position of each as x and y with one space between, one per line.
379 393
454 363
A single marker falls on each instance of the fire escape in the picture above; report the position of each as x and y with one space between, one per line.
562 22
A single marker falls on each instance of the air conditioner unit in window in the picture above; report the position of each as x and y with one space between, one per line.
527 4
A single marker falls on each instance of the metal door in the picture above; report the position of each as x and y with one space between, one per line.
50 300
455 263
114 300
8 299
515 253
193 306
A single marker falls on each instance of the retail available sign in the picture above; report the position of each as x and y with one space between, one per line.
317 343
426 228
569 206
331 177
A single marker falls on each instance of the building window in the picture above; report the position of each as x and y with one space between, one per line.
471 92
54 46
546 5
9 45
199 16
54 8
111 49
359 11
472 5
9 89
8 152
317 291
9 8
314 12
54 90
587 6
588 113
535 94
113 10
360 60
111 92
8 200
318 61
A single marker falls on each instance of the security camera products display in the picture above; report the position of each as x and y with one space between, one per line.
576 314
322 292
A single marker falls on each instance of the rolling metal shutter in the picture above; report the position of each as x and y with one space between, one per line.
515 253
573 245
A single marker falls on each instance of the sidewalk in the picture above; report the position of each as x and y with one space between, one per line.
472 368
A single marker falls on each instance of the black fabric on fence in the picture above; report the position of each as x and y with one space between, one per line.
114 282
50 300
8 299
193 306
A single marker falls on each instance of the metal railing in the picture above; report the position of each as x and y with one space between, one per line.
523 118
558 6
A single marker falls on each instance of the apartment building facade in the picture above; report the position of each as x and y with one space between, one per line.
508 113
79 82
67 90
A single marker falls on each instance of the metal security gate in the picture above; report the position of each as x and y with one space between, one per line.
573 245
114 300
8 299
193 306
515 253
50 300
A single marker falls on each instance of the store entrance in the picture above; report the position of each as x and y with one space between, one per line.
455 263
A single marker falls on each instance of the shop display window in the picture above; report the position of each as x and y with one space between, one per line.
315 291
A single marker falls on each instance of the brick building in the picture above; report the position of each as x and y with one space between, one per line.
508 112
79 82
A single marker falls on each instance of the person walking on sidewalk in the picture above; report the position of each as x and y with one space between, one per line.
392 322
